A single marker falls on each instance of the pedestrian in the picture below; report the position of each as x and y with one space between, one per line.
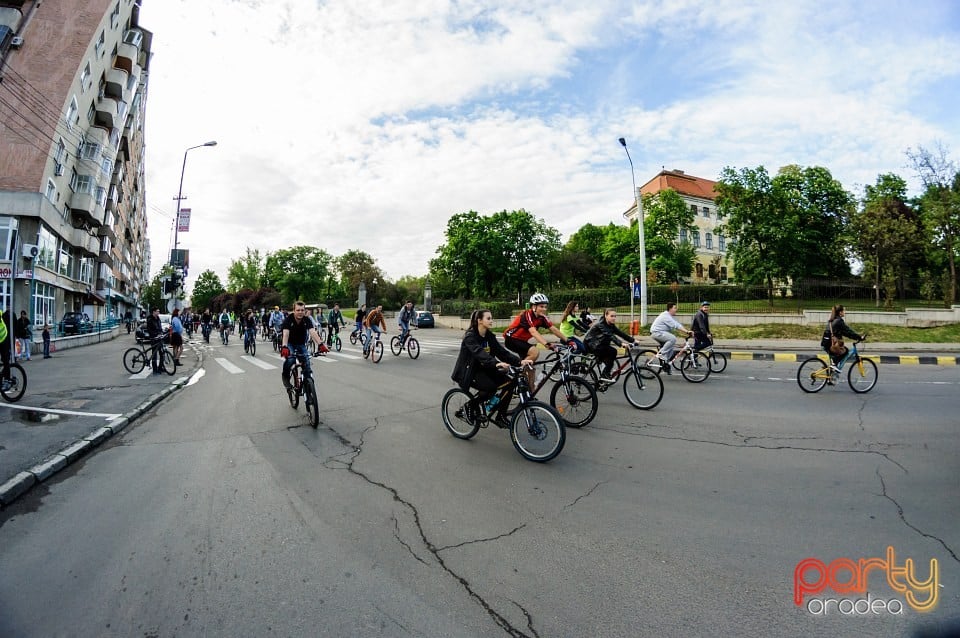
5 347
176 335
22 333
46 341
155 332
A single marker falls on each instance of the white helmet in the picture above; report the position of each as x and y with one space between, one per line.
538 298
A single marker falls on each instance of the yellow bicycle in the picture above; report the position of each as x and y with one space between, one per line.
814 373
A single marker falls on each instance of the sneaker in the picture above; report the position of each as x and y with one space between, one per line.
834 368
7 384
501 421
665 366
607 377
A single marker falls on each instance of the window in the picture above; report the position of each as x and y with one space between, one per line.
693 209
133 37
82 183
115 17
51 191
65 264
721 242
8 227
44 296
706 212
86 270
699 270
100 46
85 78
47 243
100 194
712 271
90 151
709 239
683 235
60 152
696 239
723 272
72 116
106 166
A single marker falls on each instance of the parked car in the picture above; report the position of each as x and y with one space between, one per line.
75 323
423 319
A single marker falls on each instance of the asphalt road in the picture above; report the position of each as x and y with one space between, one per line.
224 514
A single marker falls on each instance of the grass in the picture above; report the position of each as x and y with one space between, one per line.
876 332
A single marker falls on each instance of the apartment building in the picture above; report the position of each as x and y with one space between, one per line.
710 245
73 223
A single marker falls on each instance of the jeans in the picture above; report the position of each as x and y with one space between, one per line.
25 349
369 332
404 329
668 343
299 352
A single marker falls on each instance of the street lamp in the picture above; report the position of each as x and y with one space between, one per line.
643 248
176 221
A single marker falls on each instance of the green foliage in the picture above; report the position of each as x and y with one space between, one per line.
206 288
246 272
356 266
665 215
940 209
300 272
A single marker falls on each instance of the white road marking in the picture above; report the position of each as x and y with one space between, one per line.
107 416
260 363
229 367
143 374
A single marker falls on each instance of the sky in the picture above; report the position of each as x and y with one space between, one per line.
360 124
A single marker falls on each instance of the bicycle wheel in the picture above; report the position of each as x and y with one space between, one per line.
718 361
864 381
246 346
377 351
396 346
812 375
310 402
135 360
337 344
413 347
537 431
459 414
644 390
582 366
253 347
353 338
694 367
366 351
646 355
168 363
575 401
293 394
17 385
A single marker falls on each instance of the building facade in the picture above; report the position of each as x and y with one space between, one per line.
710 245
73 223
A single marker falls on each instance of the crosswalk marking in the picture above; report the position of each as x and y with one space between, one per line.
258 362
229 367
143 374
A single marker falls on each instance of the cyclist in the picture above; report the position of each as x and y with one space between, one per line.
525 327
838 327
373 321
570 324
155 332
481 363
361 313
224 323
335 319
205 320
599 338
276 320
249 327
662 330
176 335
407 314
701 327
295 331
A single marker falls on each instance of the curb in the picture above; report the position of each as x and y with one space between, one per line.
24 481
902 359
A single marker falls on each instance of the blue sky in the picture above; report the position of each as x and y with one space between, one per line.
359 124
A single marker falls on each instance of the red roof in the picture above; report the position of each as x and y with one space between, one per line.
682 183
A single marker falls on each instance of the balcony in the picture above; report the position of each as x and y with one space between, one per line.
106 258
116 83
107 231
107 112
128 56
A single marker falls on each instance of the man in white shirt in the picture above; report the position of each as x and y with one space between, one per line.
662 330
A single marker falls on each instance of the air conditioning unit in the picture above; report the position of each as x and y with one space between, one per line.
16 42
30 251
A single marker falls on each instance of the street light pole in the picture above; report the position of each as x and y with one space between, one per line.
176 221
643 247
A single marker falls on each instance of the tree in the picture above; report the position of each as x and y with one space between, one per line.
793 225
299 272
206 288
463 259
940 207
665 215
522 244
246 272
888 235
356 266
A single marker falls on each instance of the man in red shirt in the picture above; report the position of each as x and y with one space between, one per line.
526 327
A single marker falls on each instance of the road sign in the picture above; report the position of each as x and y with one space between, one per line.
184 224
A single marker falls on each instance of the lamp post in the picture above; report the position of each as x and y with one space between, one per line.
176 221
643 248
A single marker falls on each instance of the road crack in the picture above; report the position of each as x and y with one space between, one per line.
884 494
583 496
482 540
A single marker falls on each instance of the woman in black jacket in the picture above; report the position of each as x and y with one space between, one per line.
838 327
598 340
482 360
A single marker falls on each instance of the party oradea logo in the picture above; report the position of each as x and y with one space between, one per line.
859 589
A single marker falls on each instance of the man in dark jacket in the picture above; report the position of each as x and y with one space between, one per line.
480 363
155 331
598 340
701 327
21 331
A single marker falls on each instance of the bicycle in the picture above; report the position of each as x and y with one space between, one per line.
692 364
400 342
813 374
137 358
642 386
224 333
13 388
717 360
335 341
302 384
358 335
574 398
276 337
374 350
536 429
206 329
250 342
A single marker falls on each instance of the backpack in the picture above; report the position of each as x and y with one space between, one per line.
3 331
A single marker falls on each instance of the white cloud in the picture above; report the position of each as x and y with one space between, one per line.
366 125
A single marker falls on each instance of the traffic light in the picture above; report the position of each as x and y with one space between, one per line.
168 286
175 278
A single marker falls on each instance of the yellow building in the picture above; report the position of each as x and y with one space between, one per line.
711 247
